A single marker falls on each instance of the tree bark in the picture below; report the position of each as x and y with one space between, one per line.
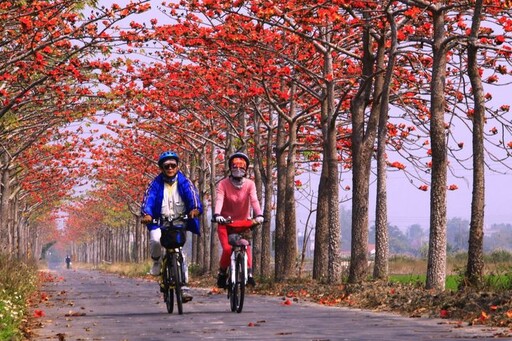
436 267
280 230
362 150
381 268
290 223
475 264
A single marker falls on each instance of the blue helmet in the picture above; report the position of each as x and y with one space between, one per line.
167 156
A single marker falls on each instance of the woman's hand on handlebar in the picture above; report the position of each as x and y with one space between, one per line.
220 219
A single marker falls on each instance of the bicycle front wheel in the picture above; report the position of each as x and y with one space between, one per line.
239 285
167 285
232 293
177 280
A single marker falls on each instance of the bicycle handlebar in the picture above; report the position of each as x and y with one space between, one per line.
163 219
250 222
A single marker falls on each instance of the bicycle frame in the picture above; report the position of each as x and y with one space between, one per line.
173 278
172 274
238 270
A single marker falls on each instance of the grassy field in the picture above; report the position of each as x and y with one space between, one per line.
498 271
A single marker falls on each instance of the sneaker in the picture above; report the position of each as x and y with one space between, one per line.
221 280
185 294
250 281
155 269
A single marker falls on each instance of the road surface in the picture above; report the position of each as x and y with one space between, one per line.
91 305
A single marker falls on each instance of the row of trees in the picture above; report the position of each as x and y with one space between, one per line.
301 86
48 80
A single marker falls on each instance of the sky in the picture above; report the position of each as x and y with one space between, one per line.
407 205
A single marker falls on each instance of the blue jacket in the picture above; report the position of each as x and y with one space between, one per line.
152 202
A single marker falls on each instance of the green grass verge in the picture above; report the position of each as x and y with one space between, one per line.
19 282
452 281
493 282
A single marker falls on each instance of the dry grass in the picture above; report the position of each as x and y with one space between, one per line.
126 269
407 266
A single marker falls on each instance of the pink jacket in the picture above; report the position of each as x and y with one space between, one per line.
236 202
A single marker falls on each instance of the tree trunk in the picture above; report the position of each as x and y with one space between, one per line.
381 267
321 252
258 181
331 153
290 225
266 240
327 246
280 230
214 239
475 265
204 254
5 247
362 150
436 267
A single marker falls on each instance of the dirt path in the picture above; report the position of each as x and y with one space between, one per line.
91 305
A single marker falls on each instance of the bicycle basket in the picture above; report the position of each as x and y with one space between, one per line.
172 238
245 233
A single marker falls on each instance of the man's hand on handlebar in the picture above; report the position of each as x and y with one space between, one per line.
259 219
194 213
146 219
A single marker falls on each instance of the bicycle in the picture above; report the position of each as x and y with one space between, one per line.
236 279
173 274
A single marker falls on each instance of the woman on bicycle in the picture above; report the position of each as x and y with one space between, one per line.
170 194
236 195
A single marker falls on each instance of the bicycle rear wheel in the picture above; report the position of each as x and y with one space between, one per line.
167 285
239 285
177 279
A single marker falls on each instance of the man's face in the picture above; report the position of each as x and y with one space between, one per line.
170 167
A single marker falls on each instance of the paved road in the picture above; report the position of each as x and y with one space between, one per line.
89 305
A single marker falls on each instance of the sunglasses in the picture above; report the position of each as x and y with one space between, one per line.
167 166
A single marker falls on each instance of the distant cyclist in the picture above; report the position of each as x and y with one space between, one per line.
170 194
68 261
236 195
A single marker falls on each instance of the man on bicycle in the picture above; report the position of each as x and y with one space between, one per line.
170 194
236 195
